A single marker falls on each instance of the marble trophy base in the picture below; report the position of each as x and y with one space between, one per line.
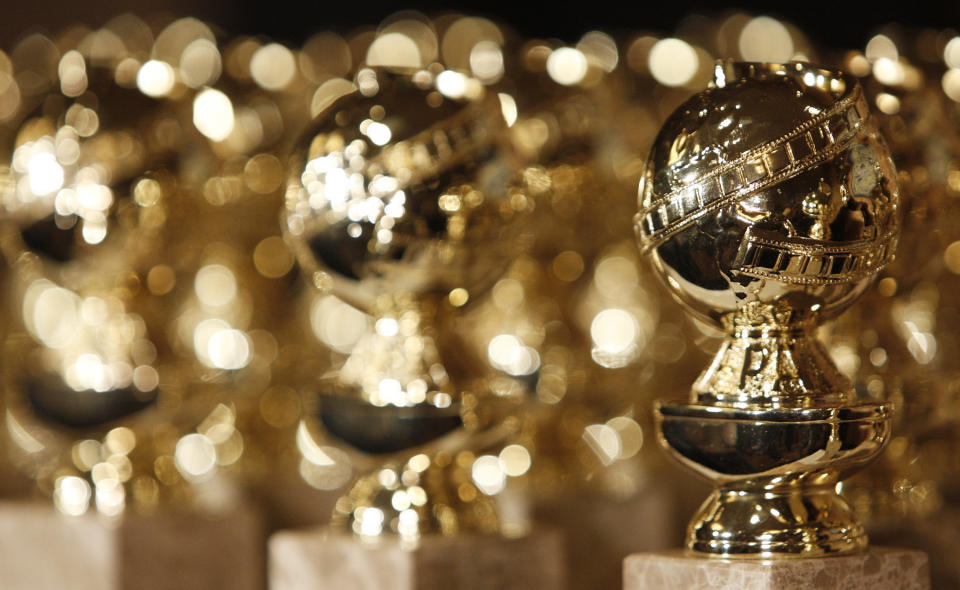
41 549
318 559
879 568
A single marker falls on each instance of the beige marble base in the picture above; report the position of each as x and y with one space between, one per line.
41 549
317 559
191 551
880 568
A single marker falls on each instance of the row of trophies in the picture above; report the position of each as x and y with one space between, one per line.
401 264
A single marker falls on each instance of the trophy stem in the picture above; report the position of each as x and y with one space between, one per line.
397 362
771 365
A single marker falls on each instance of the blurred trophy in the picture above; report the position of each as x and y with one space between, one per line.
79 356
399 205
768 205
128 311
387 212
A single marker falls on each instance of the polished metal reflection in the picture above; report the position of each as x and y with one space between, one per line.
768 204
132 347
399 206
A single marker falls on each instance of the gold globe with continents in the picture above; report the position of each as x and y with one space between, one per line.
768 204
398 204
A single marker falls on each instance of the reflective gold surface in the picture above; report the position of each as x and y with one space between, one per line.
399 206
768 204
80 357
776 472
137 307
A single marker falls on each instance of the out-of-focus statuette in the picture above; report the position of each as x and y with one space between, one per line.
401 209
768 204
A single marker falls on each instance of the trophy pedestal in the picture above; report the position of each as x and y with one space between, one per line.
319 559
41 549
879 568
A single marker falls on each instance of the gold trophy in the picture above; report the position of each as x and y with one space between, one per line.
398 205
768 204
128 353
80 220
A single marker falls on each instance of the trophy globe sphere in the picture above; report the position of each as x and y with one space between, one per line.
770 189
398 188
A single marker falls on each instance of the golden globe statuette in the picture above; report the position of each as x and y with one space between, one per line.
399 206
768 204
110 246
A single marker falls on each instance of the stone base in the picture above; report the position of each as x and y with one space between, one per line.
880 568
41 549
318 559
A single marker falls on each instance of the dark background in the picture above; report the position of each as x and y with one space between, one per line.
829 24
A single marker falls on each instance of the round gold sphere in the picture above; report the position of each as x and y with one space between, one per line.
770 187
398 188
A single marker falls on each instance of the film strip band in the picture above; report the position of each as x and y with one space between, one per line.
813 142
810 262
440 147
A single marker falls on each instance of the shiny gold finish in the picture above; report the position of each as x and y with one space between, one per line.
77 385
768 204
141 278
426 494
776 473
900 343
399 205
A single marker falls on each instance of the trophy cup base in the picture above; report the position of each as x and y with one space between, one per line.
796 522
776 472
878 568
420 497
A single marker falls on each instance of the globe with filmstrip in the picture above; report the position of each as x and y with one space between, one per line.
400 186
769 203
772 186
400 204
